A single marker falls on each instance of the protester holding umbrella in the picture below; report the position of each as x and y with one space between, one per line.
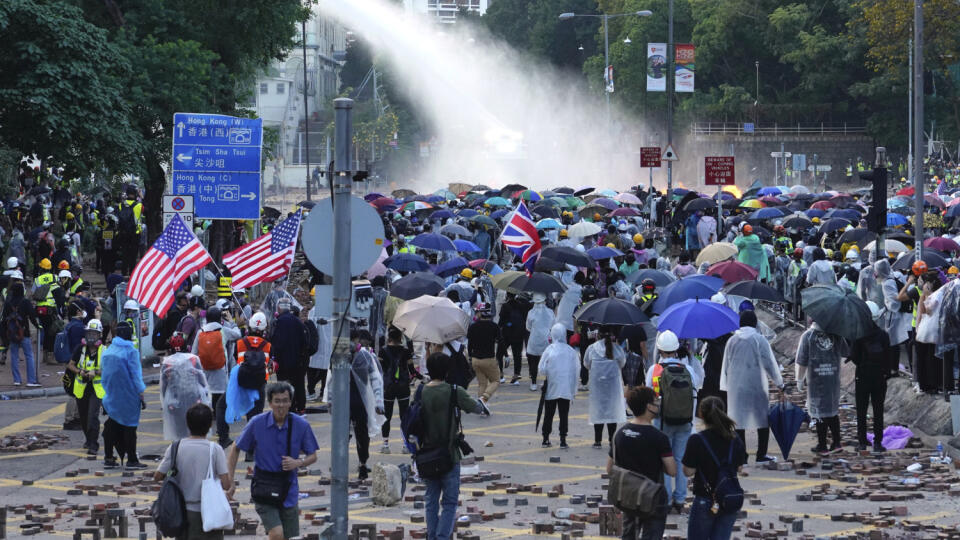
604 359
717 444
747 363
871 355
818 359
560 366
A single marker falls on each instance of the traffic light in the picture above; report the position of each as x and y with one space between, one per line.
877 214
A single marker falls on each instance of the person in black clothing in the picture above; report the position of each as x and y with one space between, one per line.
396 361
871 355
640 447
513 330
712 367
719 437
482 337
116 277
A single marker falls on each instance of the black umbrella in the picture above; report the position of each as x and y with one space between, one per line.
610 311
833 224
564 189
857 236
837 310
307 204
797 222
700 203
932 257
543 397
568 255
902 237
416 285
545 211
754 290
660 278
270 212
583 191
537 282
546 264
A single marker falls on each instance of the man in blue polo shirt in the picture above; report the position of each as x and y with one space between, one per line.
267 433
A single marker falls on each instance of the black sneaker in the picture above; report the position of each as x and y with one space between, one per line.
563 444
820 450
110 464
73 425
879 448
836 449
363 472
545 444
598 444
765 459
862 447
135 466
91 451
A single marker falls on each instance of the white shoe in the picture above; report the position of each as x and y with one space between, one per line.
33 385
385 449
534 387
583 388
312 397
502 380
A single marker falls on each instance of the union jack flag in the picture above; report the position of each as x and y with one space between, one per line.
520 237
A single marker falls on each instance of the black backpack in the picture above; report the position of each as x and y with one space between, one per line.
14 324
313 338
727 493
169 511
127 221
251 373
461 372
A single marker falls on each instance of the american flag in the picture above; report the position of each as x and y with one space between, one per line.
173 257
520 237
267 258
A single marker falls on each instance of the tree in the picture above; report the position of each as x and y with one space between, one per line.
535 27
61 88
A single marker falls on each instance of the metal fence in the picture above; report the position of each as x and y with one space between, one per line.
740 128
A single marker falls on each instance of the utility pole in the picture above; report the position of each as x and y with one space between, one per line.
918 183
340 386
606 65
910 116
306 106
670 76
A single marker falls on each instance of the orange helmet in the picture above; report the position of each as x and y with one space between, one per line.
747 229
919 268
63 265
597 217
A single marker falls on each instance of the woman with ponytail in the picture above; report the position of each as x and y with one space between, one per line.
718 438
604 359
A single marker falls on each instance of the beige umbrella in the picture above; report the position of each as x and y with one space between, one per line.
892 246
716 252
431 319
583 229
459 187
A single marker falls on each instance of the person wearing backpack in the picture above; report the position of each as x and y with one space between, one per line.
396 361
255 348
18 313
640 447
676 379
73 333
440 431
128 229
195 457
212 346
713 457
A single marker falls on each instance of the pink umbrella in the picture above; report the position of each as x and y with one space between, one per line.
932 199
628 198
941 244
378 269
624 212
733 271
822 205
770 200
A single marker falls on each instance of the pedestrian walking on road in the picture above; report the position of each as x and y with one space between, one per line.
288 340
560 367
871 355
123 399
818 369
211 346
716 447
18 314
482 338
87 384
396 361
604 359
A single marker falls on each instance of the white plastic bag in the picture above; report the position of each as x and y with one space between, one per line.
214 506
928 329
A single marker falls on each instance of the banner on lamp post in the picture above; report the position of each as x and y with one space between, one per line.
684 62
656 67
608 79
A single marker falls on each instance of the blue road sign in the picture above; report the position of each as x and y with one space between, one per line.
216 159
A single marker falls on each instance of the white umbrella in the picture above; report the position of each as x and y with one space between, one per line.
892 246
798 189
583 229
627 198
431 319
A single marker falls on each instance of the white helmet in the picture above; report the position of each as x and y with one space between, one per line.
258 321
12 263
667 341
718 298
223 304
131 304
95 324
196 290
64 274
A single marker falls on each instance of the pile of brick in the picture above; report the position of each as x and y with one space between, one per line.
25 442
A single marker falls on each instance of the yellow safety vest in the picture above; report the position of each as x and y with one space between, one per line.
76 285
137 210
133 325
223 287
88 364
46 278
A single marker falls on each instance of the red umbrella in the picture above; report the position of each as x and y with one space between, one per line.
483 264
733 271
770 200
383 201
908 191
822 205
940 243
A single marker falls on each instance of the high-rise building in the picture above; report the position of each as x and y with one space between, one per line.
445 11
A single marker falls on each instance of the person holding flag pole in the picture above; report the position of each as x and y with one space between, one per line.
520 237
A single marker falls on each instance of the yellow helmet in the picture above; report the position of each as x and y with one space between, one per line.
610 245
313 290
45 264
829 253
563 233
815 219
638 239
467 273
70 215
953 270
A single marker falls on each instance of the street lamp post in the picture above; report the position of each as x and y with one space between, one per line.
606 42
756 98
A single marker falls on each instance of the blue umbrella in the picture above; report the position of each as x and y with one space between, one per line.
441 214
433 241
685 289
814 213
451 267
406 262
834 224
499 214
603 252
847 213
769 190
701 319
467 212
549 223
466 245
785 420
661 279
766 213
710 281
433 199
894 220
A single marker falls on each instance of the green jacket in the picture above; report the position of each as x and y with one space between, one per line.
436 402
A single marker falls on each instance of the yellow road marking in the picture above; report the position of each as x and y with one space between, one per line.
31 421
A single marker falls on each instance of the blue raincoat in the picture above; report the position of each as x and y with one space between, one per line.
122 380
239 400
